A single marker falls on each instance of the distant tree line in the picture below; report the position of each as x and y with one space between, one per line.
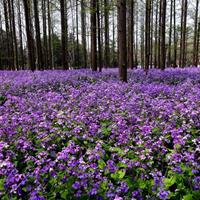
71 34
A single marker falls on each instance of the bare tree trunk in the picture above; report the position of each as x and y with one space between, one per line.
122 40
7 34
11 36
83 29
102 31
175 37
136 35
52 46
64 33
73 50
38 38
195 53
185 35
106 19
169 62
29 32
50 36
181 39
94 35
156 37
182 61
160 35
45 43
198 40
142 42
20 35
130 33
151 34
113 43
163 27
1 42
77 39
99 37
14 37
147 34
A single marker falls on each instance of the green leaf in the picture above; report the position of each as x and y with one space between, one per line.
118 175
131 183
122 165
2 100
117 150
178 146
2 184
101 164
106 131
169 181
142 184
131 154
155 130
106 147
188 197
64 194
70 182
104 185
5 197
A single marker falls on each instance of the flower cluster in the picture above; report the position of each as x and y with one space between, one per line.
84 135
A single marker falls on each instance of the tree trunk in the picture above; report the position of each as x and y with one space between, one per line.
163 27
142 44
14 37
182 61
136 35
83 29
130 33
175 37
198 40
99 37
156 37
7 34
72 39
51 64
195 53
106 19
1 42
77 39
93 35
64 33
122 40
29 32
11 36
185 35
160 35
113 38
38 38
45 43
169 62
151 34
20 35
147 34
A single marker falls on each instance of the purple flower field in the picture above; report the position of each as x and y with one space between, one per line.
84 135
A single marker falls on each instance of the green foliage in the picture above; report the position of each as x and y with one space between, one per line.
118 175
2 100
1 184
101 164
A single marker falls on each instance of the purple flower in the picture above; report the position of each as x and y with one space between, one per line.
82 129
163 194
118 198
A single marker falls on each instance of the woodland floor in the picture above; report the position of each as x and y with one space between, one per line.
84 135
